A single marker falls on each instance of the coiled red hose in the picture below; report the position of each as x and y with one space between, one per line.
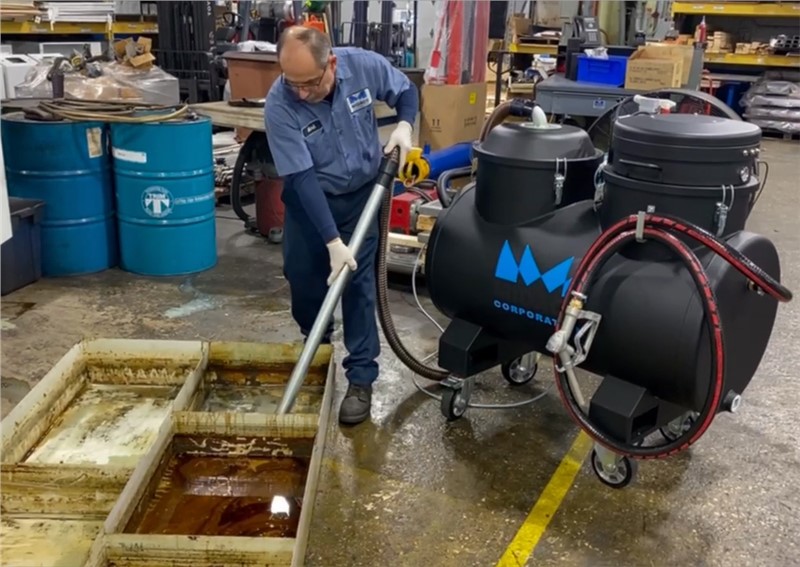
657 228
738 260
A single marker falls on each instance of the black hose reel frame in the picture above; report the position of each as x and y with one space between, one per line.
255 148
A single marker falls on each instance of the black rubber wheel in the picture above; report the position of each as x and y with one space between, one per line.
516 376
454 404
621 477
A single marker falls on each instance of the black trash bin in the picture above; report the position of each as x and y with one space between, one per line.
21 255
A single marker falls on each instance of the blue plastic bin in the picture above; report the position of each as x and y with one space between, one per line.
609 71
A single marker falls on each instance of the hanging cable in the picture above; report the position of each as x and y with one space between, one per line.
107 111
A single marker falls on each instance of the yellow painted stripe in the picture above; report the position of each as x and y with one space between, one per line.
528 536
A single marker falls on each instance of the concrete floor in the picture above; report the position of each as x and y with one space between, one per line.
409 488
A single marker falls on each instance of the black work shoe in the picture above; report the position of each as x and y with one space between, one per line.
356 404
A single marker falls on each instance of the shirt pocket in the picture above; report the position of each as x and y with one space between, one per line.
322 148
366 131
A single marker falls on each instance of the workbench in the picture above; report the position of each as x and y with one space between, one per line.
224 115
559 95
252 118
562 96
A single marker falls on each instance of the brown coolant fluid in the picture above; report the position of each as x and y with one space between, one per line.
227 496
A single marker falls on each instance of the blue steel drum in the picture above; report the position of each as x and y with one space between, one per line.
67 165
164 174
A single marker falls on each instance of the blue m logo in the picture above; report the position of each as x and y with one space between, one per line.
510 270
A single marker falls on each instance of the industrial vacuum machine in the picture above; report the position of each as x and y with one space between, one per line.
633 265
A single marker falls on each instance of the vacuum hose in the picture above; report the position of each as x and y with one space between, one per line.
500 113
384 315
444 180
510 108
515 107
659 228
379 201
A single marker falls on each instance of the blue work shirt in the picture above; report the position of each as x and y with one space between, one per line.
338 139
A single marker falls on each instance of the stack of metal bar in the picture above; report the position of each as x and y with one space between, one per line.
19 10
186 43
69 11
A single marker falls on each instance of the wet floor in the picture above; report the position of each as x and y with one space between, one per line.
409 488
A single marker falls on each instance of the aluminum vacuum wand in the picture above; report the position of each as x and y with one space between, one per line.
384 181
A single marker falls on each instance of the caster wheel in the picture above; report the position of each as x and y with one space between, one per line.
275 235
516 373
454 404
678 427
620 477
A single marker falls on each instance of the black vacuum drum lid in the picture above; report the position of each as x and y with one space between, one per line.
697 130
524 142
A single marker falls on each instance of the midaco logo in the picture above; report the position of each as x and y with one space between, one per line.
510 270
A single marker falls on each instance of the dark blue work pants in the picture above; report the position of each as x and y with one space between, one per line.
306 266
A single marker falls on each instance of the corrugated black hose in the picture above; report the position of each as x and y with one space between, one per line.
387 174
444 180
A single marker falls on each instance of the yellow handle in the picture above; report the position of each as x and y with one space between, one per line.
415 169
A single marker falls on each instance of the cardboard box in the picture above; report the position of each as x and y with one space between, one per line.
685 52
654 67
752 48
725 39
136 54
251 75
520 27
451 114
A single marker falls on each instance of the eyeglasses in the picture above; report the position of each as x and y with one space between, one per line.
307 85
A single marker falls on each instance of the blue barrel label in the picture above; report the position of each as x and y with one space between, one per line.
129 155
94 142
157 201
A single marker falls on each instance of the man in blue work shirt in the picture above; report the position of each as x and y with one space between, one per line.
323 136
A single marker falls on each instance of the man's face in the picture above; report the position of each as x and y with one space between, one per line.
303 75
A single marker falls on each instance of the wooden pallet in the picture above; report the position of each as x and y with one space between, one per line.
425 223
785 136
84 453
404 240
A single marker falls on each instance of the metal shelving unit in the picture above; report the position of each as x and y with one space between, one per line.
743 9
758 9
71 28
759 60
534 48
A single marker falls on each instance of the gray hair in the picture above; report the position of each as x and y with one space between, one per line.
318 43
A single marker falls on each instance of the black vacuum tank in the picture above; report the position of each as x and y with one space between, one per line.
528 169
501 256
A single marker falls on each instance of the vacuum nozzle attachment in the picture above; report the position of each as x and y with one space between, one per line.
390 165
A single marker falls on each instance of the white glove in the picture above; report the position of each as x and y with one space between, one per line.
340 257
400 138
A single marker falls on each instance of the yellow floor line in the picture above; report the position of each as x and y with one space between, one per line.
528 536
